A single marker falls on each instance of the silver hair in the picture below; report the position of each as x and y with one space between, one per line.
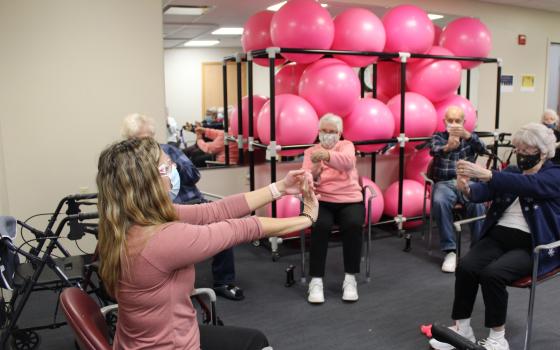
536 135
134 124
331 118
551 112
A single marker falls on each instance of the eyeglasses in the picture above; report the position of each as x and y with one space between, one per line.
166 167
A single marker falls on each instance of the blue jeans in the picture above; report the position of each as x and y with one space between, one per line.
444 197
223 268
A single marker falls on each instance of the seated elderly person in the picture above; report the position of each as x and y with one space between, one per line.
447 148
550 120
525 212
333 165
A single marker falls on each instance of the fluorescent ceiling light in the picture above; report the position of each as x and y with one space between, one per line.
186 10
228 31
434 16
277 6
201 43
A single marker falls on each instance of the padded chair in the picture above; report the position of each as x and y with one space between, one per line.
365 254
88 321
529 282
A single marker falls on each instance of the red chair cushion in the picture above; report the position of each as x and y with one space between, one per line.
526 281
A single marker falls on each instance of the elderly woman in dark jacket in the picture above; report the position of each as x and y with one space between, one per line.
525 212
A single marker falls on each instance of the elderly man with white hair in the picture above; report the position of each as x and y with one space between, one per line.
550 120
525 212
332 163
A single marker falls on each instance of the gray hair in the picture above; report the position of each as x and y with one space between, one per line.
551 112
331 118
536 135
135 124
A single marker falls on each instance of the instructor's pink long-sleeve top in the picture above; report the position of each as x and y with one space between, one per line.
155 309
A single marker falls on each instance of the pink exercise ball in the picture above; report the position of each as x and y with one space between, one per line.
388 80
437 34
459 101
416 164
358 29
286 207
302 24
434 79
377 203
412 201
408 29
296 122
370 120
331 86
256 35
467 36
287 78
420 116
258 102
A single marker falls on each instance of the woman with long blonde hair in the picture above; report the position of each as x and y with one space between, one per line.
148 246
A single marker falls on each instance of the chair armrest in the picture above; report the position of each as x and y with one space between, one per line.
213 196
552 245
214 163
459 223
426 178
209 292
106 309
369 189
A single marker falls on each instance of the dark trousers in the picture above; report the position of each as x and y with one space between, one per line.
350 218
223 268
197 156
231 338
500 258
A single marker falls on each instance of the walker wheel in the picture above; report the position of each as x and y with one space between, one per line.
275 256
25 340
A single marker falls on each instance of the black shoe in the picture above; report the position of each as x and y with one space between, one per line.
229 291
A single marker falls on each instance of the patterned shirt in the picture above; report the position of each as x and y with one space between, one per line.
188 173
444 166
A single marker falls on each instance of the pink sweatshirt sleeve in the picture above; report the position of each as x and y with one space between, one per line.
179 245
343 159
214 147
307 164
231 207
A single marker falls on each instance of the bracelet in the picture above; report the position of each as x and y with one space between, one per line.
274 191
309 217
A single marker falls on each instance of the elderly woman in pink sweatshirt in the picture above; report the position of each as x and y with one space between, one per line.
332 163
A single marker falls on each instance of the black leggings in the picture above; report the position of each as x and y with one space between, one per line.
231 338
350 218
500 258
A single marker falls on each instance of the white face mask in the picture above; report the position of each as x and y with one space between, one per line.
328 141
175 182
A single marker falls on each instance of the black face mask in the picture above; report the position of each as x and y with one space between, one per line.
526 162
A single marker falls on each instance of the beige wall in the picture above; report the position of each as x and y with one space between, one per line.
505 23
70 71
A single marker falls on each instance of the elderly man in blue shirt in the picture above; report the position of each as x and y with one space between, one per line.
447 148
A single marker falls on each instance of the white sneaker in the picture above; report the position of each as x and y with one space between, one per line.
350 289
492 344
449 262
315 291
464 332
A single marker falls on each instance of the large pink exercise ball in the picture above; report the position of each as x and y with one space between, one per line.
256 35
467 36
302 24
258 102
434 79
464 104
358 29
286 207
331 86
296 122
388 80
416 164
408 29
420 115
287 78
412 201
370 120
437 34
377 203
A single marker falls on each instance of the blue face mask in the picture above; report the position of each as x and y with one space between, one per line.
551 126
208 119
175 183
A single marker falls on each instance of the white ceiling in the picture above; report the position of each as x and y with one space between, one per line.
234 13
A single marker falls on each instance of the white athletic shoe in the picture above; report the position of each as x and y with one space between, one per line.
449 262
492 344
464 332
315 291
350 289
